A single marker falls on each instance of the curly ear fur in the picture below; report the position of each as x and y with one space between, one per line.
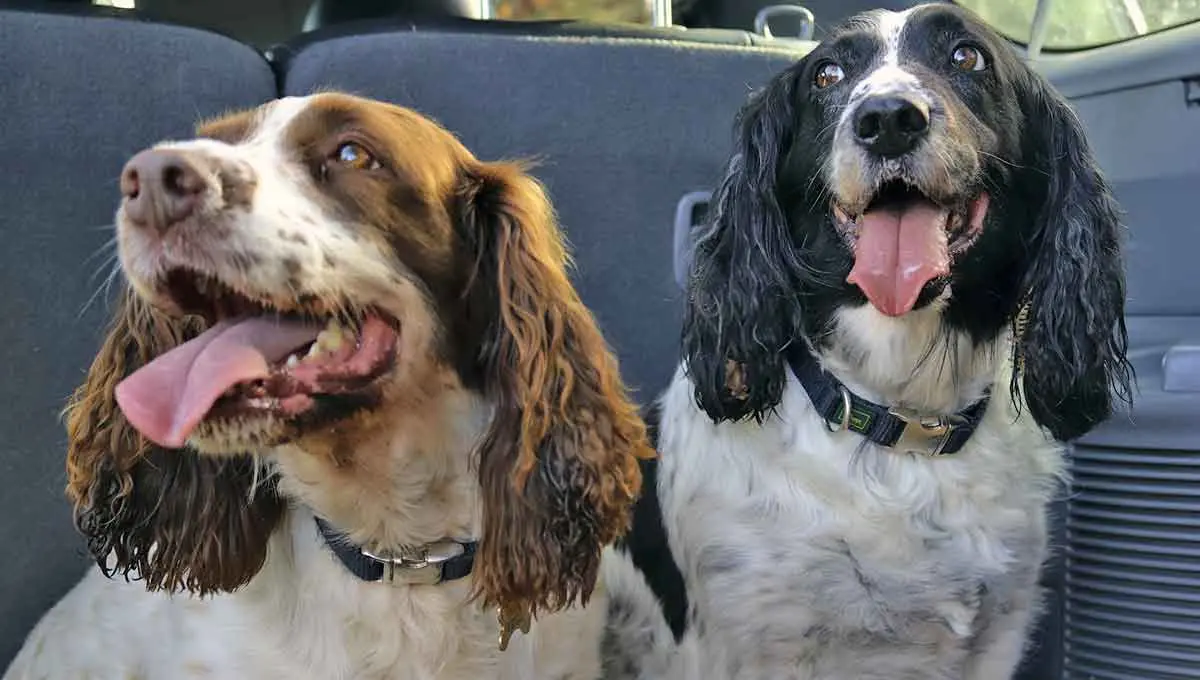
742 303
174 519
1074 347
558 465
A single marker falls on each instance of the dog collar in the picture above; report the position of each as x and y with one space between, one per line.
428 564
900 429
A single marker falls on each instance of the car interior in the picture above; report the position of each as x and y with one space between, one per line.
630 111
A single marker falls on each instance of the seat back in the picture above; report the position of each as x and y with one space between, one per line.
81 93
625 124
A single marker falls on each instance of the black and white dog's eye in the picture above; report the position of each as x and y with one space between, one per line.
968 58
828 74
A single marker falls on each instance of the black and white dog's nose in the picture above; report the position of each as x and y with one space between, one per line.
890 125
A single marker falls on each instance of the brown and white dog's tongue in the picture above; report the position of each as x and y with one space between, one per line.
898 251
167 398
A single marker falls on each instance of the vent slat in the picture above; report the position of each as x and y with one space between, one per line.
1085 573
1118 500
1152 562
1176 474
1128 529
1086 611
1160 607
1127 487
1083 543
1084 629
1088 454
1083 511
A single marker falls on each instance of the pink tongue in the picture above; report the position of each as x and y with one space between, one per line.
897 253
168 397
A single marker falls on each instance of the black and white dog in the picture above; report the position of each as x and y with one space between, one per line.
910 291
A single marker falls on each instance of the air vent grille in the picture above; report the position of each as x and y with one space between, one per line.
1133 566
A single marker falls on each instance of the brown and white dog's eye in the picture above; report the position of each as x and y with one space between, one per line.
828 74
968 58
355 156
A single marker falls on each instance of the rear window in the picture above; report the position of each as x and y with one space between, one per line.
266 23
1081 24
635 11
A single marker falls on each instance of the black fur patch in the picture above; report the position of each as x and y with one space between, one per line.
646 543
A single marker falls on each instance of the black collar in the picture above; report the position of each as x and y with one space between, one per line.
429 564
898 429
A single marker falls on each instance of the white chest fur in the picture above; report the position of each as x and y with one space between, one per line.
303 617
799 544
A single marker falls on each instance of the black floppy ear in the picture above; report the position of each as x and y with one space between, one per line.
742 309
1073 346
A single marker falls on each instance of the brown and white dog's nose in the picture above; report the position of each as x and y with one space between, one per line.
890 125
163 187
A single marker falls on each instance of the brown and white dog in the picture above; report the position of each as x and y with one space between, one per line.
351 396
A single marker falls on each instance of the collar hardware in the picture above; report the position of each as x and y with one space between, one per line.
416 564
925 435
845 408
902 430
429 564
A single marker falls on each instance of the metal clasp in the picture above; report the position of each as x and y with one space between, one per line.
924 435
844 422
419 565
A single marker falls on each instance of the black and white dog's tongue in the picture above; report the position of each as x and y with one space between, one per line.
900 249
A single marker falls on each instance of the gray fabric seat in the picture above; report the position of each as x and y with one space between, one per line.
624 127
80 94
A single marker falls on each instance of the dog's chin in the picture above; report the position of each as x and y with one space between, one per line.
229 430
904 241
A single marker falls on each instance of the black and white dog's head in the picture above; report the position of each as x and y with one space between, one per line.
912 159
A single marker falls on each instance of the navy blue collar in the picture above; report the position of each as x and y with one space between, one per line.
898 429
428 564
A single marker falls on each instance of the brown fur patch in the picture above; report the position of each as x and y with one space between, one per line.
558 466
208 533
230 128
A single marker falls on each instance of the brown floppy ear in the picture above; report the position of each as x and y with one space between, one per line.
558 466
172 518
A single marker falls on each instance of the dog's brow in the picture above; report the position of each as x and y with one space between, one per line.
890 26
230 129
278 116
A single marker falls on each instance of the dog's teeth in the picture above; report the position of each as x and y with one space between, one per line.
315 349
331 338
292 361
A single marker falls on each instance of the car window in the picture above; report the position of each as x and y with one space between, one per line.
634 11
637 11
1080 24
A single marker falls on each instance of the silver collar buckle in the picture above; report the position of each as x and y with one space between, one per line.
419 565
925 435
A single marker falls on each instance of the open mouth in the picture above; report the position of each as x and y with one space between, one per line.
903 240
259 358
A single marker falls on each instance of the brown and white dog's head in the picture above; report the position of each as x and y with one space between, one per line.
306 271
